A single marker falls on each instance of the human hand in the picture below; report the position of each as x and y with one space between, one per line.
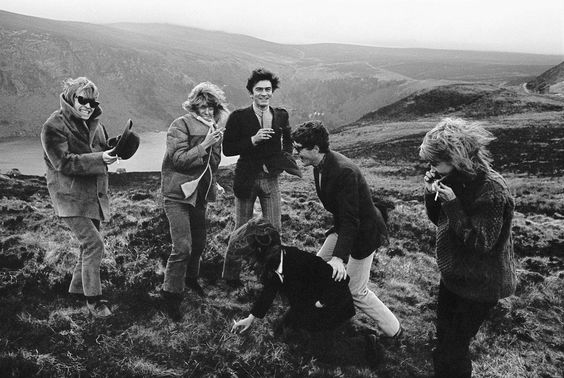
319 304
212 138
444 192
242 324
107 158
431 176
220 190
262 135
339 270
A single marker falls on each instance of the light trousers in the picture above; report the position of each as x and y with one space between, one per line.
266 188
364 298
86 274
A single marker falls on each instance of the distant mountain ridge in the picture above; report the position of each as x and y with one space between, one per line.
145 70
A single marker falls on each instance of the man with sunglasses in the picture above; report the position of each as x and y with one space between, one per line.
358 226
77 158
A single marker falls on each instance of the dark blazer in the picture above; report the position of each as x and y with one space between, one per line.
307 279
345 194
241 125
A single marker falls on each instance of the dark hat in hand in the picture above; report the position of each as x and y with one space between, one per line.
126 144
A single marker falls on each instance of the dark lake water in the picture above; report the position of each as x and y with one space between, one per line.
26 154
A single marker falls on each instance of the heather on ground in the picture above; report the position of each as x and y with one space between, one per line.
43 332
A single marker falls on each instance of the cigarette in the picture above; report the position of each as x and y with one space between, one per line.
436 185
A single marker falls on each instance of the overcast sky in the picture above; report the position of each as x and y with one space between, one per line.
535 26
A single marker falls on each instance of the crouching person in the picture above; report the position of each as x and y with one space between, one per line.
76 154
318 303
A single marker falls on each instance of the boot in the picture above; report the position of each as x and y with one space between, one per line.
171 305
192 283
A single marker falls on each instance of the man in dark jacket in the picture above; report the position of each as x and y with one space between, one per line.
75 146
358 226
318 303
260 135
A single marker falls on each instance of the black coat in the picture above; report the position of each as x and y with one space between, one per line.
241 125
345 194
307 279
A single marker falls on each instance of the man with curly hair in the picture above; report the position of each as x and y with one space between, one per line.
260 135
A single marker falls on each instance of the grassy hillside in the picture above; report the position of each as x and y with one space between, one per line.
469 100
550 81
144 71
44 332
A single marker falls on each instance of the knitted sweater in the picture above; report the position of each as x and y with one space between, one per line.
474 243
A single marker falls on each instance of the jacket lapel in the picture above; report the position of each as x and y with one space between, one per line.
326 170
252 118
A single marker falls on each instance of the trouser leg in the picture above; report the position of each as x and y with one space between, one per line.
243 212
269 196
178 215
458 321
244 209
198 231
86 275
364 298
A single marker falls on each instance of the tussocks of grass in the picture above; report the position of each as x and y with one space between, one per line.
42 331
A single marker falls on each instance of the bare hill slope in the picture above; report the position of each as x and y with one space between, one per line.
551 81
465 100
145 70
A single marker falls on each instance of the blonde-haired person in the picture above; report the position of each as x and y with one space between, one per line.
76 154
193 149
472 208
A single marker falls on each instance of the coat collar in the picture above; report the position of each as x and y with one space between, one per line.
70 112
84 129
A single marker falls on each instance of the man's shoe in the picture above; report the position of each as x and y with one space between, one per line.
193 284
374 351
395 340
171 305
99 309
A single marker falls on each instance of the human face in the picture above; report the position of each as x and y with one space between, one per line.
84 105
442 167
308 156
206 112
262 93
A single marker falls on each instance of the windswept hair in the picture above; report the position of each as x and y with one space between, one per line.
262 74
80 84
460 143
310 134
209 94
258 242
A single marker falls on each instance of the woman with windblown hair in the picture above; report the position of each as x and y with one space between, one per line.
193 151
472 208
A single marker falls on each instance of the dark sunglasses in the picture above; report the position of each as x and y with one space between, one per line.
83 101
